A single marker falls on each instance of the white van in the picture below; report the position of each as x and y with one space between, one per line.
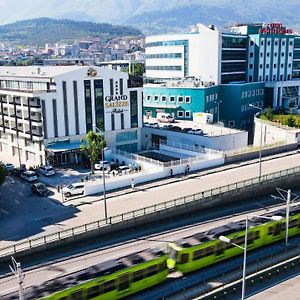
73 189
164 117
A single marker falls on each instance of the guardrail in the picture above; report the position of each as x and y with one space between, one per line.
157 208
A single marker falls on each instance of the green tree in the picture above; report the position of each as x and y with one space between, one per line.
95 144
290 121
3 173
138 70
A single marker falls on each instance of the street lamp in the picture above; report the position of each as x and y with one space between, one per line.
218 103
97 130
104 190
227 240
260 144
287 210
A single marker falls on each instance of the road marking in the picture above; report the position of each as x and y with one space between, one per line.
17 201
4 211
21 194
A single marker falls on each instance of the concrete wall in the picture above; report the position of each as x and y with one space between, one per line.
272 133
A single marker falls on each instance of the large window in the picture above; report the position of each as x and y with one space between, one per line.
234 42
164 55
233 67
76 106
99 108
88 105
55 124
134 109
233 55
64 85
164 68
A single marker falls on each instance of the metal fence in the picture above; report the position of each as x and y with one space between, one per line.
161 208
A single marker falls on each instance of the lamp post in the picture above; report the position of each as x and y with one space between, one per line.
104 189
97 130
260 143
287 210
227 240
218 103
17 270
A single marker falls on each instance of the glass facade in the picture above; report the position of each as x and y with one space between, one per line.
233 67
234 42
55 117
88 105
164 68
126 136
233 55
133 109
99 106
232 78
64 85
76 106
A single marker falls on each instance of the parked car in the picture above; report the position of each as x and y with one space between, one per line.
29 176
187 129
9 167
40 189
102 164
167 127
153 125
73 189
175 128
18 171
113 166
46 170
164 117
196 131
123 169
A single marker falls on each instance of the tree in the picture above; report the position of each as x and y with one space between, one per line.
138 70
95 144
3 173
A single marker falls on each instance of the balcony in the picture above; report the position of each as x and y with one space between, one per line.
34 102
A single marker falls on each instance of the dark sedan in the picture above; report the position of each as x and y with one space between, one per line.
40 189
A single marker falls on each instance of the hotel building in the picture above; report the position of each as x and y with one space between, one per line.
256 64
46 112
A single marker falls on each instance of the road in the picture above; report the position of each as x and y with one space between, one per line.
287 289
32 220
37 275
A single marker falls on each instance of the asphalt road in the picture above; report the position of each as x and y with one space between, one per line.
25 215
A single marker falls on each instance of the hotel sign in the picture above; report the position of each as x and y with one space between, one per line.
274 28
116 101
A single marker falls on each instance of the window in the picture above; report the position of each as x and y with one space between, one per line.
93 291
283 43
152 270
199 254
261 54
184 257
269 43
172 99
291 43
180 99
148 98
180 114
275 66
123 282
188 99
290 65
108 286
163 98
276 43
138 275
267 66
257 92
282 54
251 43
261 91
275 54
250 78
268 54
251 66
231 123
262 42
251 54
281 65
155 98
260 66
187 114
290 54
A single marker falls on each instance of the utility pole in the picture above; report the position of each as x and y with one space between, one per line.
17 270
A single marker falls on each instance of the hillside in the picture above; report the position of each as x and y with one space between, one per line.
39 31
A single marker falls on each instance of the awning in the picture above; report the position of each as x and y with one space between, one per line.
63 147
158 105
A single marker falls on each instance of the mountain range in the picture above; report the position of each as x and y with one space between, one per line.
45 30
157 16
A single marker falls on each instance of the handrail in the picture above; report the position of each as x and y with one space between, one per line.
182 201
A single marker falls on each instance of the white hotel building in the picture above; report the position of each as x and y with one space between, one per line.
45 112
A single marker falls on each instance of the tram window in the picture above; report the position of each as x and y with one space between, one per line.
198 254
152 270
240 240
163 266
277 229
184 258
108 286
123 282
220 248
210 250
138 275
270 230
77 295
93 291
257 235
293 223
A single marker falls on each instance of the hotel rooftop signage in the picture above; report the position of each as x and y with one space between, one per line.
274 28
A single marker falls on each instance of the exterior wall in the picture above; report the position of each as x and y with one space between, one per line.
38 121
236 140
272 133
199 55
199 100
234 109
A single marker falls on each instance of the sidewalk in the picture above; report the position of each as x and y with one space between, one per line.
77 200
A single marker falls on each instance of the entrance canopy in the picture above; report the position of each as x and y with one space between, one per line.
66 147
